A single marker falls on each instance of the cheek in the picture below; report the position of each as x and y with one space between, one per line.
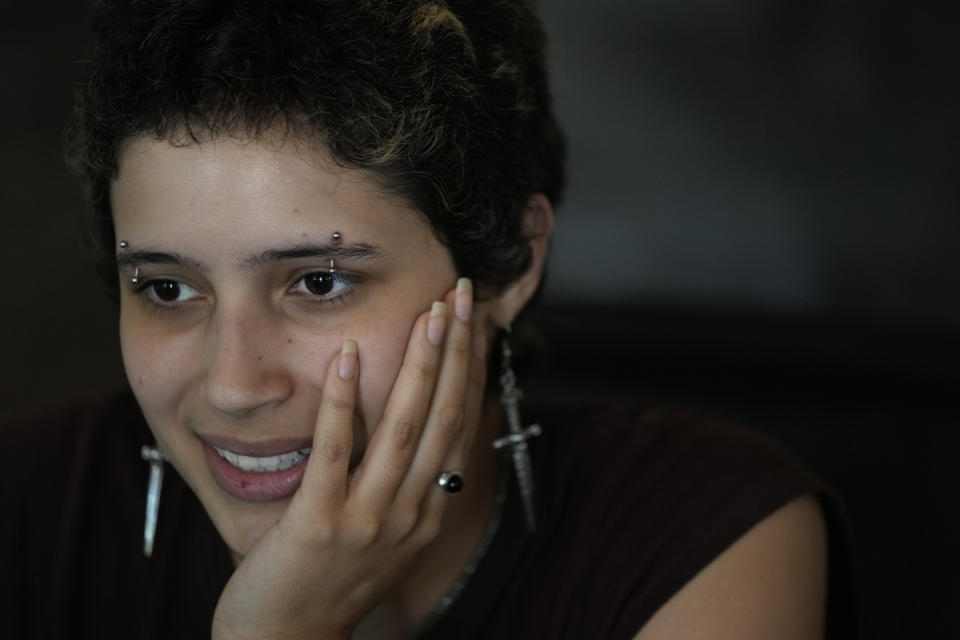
154 362
381 354
381 348
164 367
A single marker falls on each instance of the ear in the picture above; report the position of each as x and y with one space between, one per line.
538 225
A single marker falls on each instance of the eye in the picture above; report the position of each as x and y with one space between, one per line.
323 286
169 292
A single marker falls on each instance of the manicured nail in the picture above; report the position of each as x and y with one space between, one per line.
438 318
348 360
464 299
480 343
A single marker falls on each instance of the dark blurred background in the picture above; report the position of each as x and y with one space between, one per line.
761 225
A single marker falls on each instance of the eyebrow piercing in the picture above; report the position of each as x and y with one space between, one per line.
332 269
336 237
124 244
136 276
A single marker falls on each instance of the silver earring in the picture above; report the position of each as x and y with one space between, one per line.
155 458
136 276
516 440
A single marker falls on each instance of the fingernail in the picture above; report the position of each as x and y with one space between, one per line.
464 299
480 343
348 360
438 318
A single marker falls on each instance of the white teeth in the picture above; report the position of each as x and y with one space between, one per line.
268 464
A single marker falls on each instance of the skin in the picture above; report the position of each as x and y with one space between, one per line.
243 350
247 357
771 583
367 542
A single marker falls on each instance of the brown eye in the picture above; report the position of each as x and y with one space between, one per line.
319 284
324 287
169 293
166 290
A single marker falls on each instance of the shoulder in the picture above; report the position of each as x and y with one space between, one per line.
680 464
66 456
63 461
63 450
661 495
65 469
770 583
72 549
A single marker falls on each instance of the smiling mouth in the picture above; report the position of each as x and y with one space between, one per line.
266 464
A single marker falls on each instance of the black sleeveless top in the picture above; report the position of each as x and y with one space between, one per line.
632 503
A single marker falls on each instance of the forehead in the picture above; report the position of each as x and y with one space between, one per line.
239 194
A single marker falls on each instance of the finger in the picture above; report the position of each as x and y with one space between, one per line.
394 444
325 478
448 408
461 450
476 388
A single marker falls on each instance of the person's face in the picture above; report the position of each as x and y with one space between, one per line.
234 318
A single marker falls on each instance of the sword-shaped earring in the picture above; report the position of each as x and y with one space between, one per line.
155 458
516 440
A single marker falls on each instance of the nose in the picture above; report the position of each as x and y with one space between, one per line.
245 370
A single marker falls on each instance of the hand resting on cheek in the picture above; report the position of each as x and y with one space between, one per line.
346 538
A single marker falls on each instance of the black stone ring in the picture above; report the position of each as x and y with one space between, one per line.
450 481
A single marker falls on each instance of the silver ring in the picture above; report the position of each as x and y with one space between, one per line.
450 481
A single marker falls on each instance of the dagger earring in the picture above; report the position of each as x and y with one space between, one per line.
155 458
516 439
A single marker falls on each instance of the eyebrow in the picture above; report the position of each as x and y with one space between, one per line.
355 251
133 258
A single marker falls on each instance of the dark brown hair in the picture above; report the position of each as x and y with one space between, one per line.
446 103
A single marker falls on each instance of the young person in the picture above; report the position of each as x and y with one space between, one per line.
320 220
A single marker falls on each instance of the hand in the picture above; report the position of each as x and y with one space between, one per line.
345 540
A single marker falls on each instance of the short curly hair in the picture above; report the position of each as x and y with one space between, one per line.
447 104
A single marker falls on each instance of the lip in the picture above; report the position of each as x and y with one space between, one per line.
252 486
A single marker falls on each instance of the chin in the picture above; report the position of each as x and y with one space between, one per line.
242 526
240 523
